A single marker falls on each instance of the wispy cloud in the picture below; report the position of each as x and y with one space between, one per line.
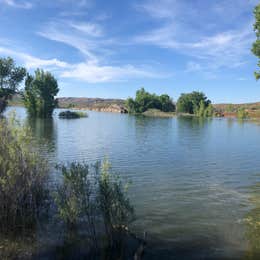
187 29
86 37
84 71
17 4
32 62
92 73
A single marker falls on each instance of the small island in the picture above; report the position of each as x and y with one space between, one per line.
72 114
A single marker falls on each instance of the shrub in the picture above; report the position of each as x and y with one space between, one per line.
99 200
73 195
114 204
242 113
72 114
192 102
145 100
23 177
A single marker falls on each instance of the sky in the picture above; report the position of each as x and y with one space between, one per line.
109 49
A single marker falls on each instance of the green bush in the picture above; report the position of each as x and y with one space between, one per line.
72 114
193 103
113 202
100 199
145 100
23 177
242 113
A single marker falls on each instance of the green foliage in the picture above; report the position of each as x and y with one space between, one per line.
209 111
39 94
73 196
242 113
205 111
85 197
145 100
23 177
193 103
256 44
10 78
115 207
72 114
230 108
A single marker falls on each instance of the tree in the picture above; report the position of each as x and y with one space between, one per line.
10 78
166 103
256 44
145 100
209 111
191 102
39 94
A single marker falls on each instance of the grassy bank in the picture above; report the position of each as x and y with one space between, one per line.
158 113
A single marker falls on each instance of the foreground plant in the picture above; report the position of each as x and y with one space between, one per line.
23 178
96 198
114 204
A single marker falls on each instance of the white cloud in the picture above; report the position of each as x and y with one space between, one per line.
31 62
18 4
92 73
88 38
84 71
90 29
201 33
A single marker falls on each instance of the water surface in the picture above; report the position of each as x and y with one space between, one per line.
195 182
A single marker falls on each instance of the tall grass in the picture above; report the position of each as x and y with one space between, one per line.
23 177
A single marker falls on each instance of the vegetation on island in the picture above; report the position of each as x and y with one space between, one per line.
195 103
242 113
10 78
72 114
256 44
145 100
39 93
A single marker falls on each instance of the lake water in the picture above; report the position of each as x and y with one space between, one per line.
195 182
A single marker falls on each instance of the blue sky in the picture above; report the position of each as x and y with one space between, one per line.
101 48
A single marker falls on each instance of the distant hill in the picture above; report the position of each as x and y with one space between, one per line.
98 104
226 106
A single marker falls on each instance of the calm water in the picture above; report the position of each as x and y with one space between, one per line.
195 182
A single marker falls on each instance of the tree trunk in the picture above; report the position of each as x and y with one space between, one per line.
3 104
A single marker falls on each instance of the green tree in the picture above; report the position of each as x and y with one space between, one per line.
166 103
39 94
145 100
10 78
242 113
209 111
202 109
256 44
191 102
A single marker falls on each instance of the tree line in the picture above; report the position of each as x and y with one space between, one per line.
191 103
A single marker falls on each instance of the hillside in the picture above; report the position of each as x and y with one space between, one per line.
97 104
